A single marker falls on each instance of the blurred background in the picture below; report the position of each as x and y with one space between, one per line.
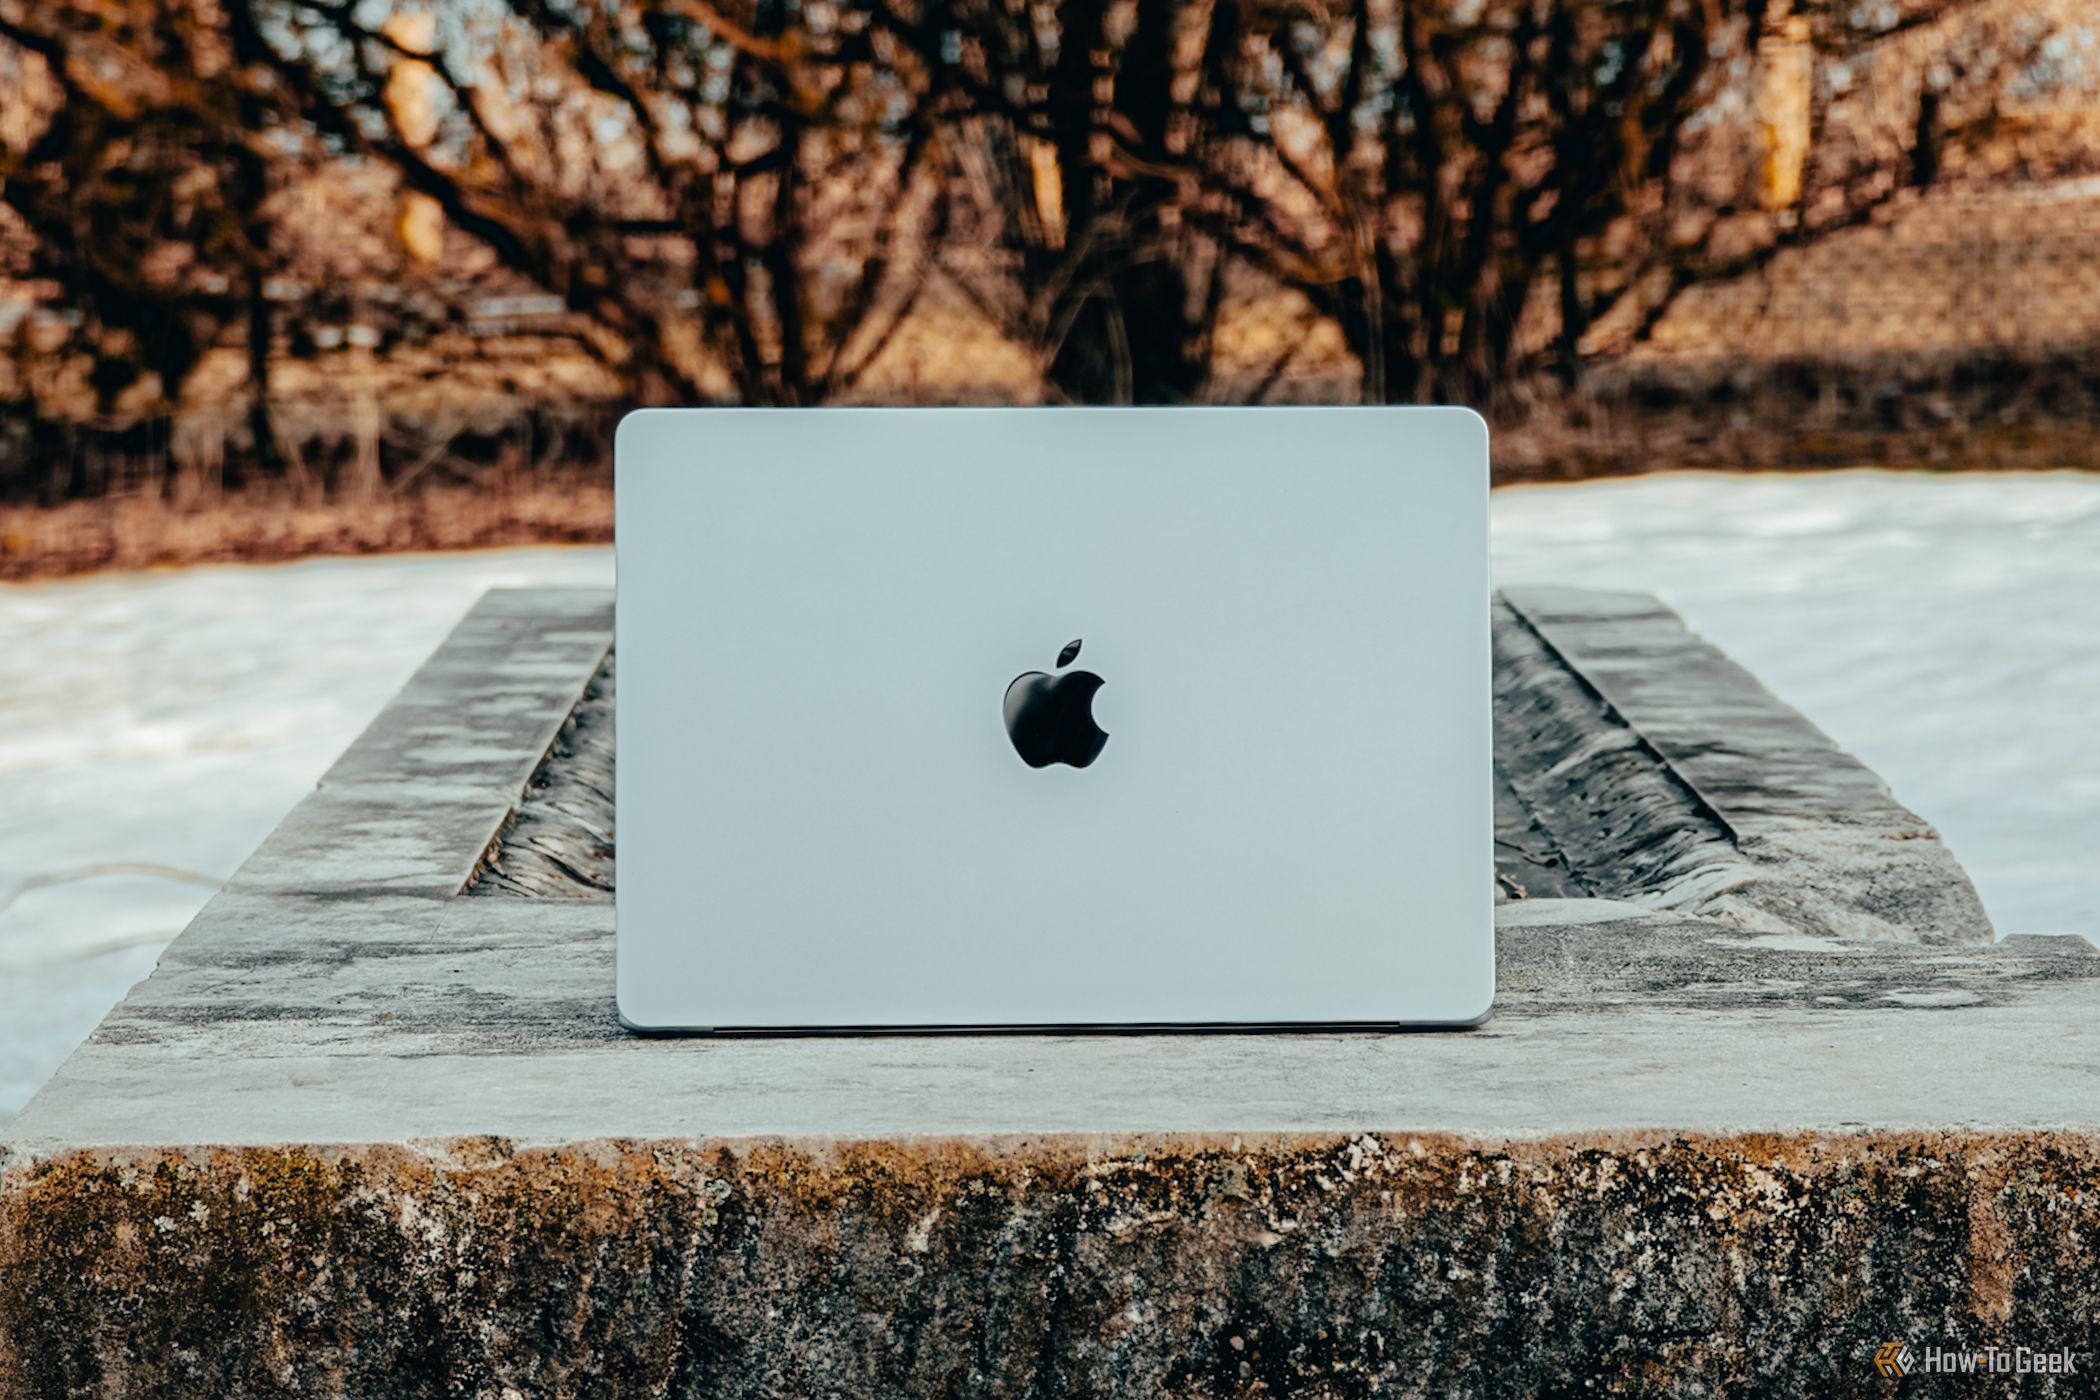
383 273
293 278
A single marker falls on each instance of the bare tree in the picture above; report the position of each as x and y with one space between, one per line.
745 200
146 193
1436 177
732 199
1085 130
1895 99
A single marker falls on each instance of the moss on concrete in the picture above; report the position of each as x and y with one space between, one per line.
1060 1266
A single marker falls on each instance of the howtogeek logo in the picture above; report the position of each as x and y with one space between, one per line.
1897 1359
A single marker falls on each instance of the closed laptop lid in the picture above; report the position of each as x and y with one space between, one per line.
867 658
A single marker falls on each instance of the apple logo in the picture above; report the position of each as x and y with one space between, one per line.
1051 718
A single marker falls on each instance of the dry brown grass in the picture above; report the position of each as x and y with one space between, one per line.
137 532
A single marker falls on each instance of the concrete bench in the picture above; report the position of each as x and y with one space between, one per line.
1761 1095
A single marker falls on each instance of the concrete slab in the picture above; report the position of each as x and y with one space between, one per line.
341 990
384 1019
1672 778
1760 1095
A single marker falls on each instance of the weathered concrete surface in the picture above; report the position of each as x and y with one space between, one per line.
1669 777
1402 1265
414 804
558 843
386 1019
360 1135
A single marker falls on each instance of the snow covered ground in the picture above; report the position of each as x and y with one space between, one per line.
173 718
1944 629
154 727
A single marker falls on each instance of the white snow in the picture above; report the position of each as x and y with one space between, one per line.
1944 628
174 717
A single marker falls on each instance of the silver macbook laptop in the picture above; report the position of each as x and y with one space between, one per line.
1053 717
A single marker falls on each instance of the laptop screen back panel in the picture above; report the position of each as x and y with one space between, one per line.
824 820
